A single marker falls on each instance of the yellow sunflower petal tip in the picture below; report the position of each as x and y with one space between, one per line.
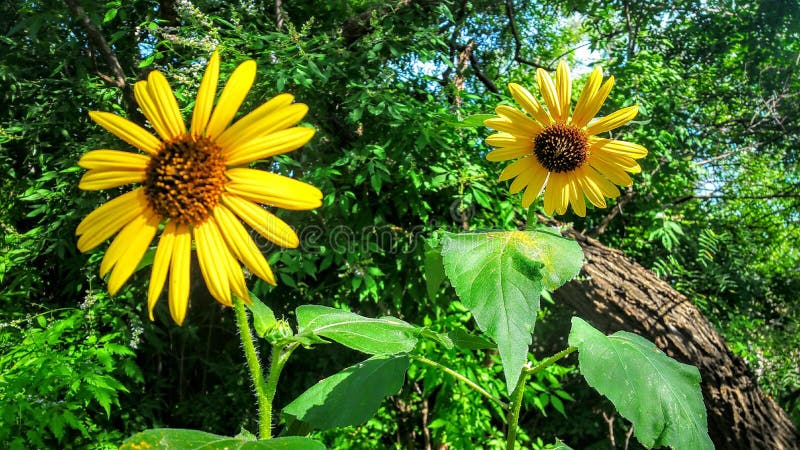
557 150
184 177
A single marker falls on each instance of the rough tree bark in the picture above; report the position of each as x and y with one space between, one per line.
615 293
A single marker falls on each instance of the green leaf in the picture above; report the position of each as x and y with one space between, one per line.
474 120
659 395
464 339
383 336
489 275
351 396
434 270
170 438
561 258
263 317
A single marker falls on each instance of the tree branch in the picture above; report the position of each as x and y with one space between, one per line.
512 25
98 42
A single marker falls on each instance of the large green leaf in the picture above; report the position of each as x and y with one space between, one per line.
383 336
172 438
434 271
351 396
499 276
659 395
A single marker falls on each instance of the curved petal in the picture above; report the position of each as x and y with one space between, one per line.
272 189
113 160
625 163
551 194
607 188
549 93
594 104
231 99
579 118
106 220
205 95
212 260
517 167
127 131
525 125
506 153
96 179
562 179
503 139
242 246
150 109
164 99
564 90
136 237
576 196
158 274
276 143
520 182
264 222
613 172
529 104
271 116
534 188
617 147
613 120
589 188
179 273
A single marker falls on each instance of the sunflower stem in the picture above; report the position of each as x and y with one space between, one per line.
513 413
253 363
531 221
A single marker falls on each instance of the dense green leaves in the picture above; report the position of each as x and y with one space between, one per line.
167 438
658 394
499 276
351 396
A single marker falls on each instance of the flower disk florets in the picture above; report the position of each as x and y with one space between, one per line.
561 148
185 179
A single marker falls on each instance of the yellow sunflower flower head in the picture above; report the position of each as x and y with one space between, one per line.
194 185
559 147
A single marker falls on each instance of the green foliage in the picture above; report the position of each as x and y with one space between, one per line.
658 394
177 438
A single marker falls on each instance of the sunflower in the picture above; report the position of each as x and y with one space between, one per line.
194 186
560 148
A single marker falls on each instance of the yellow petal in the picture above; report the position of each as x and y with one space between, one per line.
613 172
580 118
211 258
525 125
113 160
594 104
264 222
95 179
576 196
508 140
120 243
106 220
529 104
276 114
272 144
135 247
564 89
242 245
272 189
168 110
613 120
520 182
549 93
607 188
517 167
506 153
179 273
150 109
590 188
127 131
563 195
231 99
537 179
551 193
158 274
622 148
205 96
625 163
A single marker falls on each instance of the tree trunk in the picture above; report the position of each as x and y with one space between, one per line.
615 293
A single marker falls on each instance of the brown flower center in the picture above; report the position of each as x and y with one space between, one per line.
560 148
185 179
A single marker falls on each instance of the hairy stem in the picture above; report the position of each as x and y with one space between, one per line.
264 402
